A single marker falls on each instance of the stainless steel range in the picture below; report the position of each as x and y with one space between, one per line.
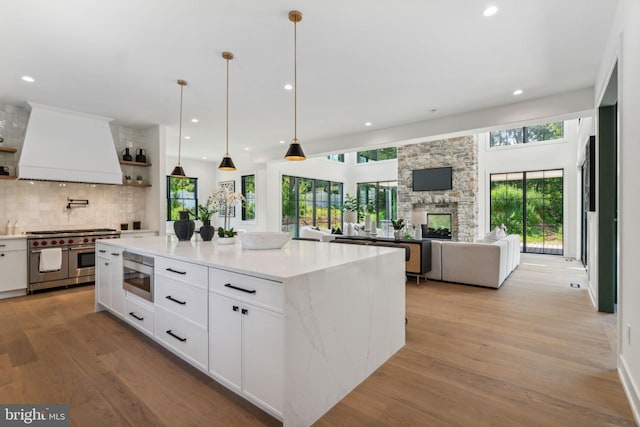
73 256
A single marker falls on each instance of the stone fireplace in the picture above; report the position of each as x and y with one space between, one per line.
461 201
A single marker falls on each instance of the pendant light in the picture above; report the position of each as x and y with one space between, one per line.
227 164
295 149
178 171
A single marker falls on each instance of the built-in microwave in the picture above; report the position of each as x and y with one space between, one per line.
138 274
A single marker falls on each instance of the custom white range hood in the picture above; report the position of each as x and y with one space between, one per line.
63 145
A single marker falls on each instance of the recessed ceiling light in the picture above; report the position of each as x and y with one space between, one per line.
204 158
194 120
288 87
281 142
368 124
187 137
490 11
246 148
517 92
28 79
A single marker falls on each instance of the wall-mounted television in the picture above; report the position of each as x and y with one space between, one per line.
432 179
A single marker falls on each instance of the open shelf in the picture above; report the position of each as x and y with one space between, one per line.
8 177
124 162
135 184
8 149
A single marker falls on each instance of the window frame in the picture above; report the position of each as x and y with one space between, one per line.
169 198
524 136
377 155
243 215
294 182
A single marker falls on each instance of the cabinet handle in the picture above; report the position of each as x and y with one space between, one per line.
115 254
101 251
235 308
176 271
175 336
1 255
3 246
132 314
245 311
170 298
106 263
229 285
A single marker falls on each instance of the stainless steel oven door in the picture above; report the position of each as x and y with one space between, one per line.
35 276
82 261
138 275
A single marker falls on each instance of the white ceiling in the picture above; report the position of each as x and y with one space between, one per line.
385 62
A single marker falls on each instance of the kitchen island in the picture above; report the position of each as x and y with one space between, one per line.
292 330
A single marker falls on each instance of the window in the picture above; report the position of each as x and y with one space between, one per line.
182 194
525 135
248 183
377 155
530 204
336 157
380 200
312 202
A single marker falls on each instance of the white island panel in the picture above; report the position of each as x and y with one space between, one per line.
341 325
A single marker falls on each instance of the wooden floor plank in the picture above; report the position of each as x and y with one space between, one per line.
534 352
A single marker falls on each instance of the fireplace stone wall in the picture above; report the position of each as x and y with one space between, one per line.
462 201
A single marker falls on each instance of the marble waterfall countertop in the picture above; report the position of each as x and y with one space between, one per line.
296 258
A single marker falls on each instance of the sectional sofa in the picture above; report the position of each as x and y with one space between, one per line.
483 263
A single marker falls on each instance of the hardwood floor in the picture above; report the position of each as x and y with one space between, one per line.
534 353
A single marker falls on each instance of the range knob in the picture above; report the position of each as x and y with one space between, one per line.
54 242
93 240
44 243
61 242
86 240
36 244
70 241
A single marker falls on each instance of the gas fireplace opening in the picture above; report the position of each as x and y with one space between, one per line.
438 226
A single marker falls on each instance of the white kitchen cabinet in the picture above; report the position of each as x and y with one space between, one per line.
109 292
140 313
246 339
180 300
13 267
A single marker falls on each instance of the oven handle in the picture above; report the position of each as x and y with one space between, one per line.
39 251
82 248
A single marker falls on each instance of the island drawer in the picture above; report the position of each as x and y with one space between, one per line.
247 288
183 336
139 316
193 274
188 301
13 244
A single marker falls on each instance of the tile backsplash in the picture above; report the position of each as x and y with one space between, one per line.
40 205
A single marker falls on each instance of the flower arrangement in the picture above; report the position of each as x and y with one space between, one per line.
225 198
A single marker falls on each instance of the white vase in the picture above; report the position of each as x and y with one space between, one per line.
350 217
226 240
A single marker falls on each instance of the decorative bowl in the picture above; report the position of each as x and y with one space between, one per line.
264 239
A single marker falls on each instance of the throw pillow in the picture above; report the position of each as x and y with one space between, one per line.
500 233
337 231
492 236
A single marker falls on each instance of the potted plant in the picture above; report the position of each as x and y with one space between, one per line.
226 199
204 212
350 209
139 179
127 179
398 225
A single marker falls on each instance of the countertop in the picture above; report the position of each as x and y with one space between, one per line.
12 236
296 258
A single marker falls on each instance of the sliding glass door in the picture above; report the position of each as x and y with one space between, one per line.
530 204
